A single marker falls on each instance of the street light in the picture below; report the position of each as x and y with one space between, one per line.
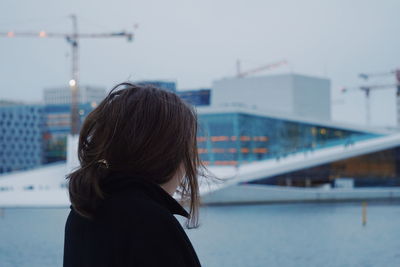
72 83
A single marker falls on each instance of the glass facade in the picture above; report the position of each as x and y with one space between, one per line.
223 138
21 137
200 97
62 95
57 127
374 169
236 138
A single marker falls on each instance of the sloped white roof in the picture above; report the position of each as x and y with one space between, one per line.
298 161
50 176
47 180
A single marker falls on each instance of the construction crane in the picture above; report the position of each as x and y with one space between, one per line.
241 74
73 39
366 76
368 88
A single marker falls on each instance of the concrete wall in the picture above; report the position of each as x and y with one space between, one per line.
268 92
274 194
287 93
312 97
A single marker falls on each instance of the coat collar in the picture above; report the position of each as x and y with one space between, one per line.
120 182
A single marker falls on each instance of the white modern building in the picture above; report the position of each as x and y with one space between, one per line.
291 94
269 139
367 158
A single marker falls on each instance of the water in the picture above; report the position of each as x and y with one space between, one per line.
257 235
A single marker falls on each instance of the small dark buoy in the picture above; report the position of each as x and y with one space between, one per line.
364 213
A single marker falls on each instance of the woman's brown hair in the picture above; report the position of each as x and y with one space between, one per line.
143 131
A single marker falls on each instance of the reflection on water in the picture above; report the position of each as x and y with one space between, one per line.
259 235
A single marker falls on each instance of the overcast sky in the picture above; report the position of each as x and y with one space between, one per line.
196 42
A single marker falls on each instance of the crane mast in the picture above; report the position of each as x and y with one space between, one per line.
72 39
368 88
74 82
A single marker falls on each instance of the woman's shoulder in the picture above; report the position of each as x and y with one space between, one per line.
139 217
142 231
134 197
135 207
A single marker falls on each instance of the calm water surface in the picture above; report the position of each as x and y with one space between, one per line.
257 235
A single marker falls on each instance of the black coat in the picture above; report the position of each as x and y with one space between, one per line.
134 226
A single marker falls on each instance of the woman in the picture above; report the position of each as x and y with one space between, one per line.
135 150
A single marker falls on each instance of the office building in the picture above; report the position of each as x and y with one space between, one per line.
234 136
62 95
198 97
57 110
57 127
166 85
372 169
21 136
